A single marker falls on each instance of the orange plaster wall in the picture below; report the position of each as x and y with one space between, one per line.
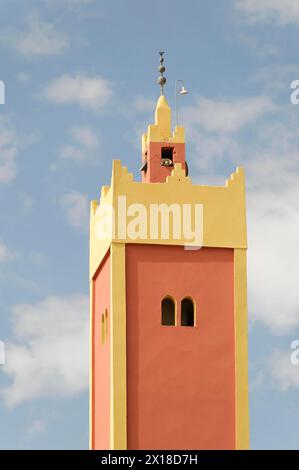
101 360
180 380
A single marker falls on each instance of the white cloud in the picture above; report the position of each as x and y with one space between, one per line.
32 431
85 136
11 143
49 354
70 152
72 3
269 150
87 91
212 126
227 116
79 2
37 40
23 77
84 143
259 48
26 202
5 253
9 146
280 11
213 150
75 205
273 226
284 373
272 163
144 105
275 78
38 426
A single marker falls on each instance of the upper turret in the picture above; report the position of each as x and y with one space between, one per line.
162 148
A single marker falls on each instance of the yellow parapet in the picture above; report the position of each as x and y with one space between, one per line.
224 212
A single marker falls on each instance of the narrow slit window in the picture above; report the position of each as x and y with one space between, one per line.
168 311
187 312
106 324
103 333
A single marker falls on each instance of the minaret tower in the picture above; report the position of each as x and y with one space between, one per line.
168 364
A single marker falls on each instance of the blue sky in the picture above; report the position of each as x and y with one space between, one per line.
80 89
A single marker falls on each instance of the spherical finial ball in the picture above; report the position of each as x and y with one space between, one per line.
161 69
161 81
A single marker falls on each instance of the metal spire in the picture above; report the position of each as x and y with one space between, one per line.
161 80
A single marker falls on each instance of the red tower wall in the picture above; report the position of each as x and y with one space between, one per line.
101 359
180 380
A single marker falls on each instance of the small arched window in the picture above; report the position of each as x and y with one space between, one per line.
168 311
187 312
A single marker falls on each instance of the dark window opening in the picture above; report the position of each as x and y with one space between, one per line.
168 312
167 156
187 312
106 324
102 329
144 163
144 166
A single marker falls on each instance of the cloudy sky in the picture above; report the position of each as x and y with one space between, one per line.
80 88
